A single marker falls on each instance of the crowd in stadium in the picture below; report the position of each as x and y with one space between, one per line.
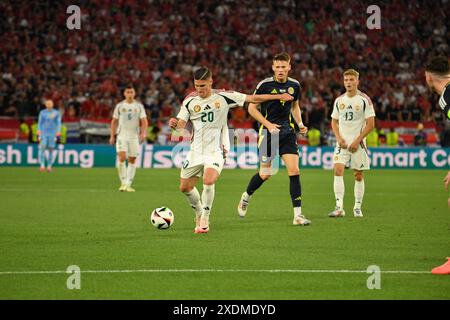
156 44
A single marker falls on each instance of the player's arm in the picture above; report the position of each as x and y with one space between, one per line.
58 125
259 98
335 128
296 113
39 130
370 124
143 128
112 136
254 112
447 180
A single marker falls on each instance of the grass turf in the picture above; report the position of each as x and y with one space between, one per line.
77 217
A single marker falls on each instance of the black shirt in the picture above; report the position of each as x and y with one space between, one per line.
444 101
275 111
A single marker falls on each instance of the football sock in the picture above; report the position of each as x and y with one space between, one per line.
295 191
207 198
131 171
41 156
255 182
193 197
359 193
339 189
122 169
297 211
246 196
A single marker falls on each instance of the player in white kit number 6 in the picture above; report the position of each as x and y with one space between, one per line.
207 109
130 124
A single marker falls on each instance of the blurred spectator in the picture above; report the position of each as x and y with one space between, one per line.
152 132
314 137
420 139
372 138
392 138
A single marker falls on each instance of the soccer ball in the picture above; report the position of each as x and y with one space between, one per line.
162 218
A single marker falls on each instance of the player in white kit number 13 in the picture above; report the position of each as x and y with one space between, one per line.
353 118
207 109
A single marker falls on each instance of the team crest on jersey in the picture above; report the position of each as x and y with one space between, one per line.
291 90
123 110
342 106
217 104
357 108
197 108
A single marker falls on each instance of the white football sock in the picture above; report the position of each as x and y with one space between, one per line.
359 194
122 169
297 211
246 196
194 200
131 171
339 190
207 198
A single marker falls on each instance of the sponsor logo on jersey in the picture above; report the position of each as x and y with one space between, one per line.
274 91
197 108
216 164
350 107
207 107
291 90
282 90
342 106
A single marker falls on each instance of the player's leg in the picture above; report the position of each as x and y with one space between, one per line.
360 162
188 179
339 191
295 190
133 151
131 172
265 147
340 158
264 173
359 193
121 165
41 152
210 177
51 153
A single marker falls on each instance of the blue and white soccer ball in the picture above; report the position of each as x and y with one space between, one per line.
162 218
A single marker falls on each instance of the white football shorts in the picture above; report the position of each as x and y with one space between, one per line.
194 165
359 160
128 145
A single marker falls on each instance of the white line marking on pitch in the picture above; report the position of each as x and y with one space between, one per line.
211 270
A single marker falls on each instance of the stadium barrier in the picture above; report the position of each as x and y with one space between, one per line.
243 157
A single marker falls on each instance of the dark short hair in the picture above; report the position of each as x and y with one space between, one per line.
438 65
129 86
283 56
202 73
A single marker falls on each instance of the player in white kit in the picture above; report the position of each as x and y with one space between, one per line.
207 109
130 124
353 118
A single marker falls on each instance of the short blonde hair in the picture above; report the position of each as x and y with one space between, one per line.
351 72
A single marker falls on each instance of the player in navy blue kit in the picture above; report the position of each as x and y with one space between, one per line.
277 134
437 75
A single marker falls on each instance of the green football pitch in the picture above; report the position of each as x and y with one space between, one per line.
49 222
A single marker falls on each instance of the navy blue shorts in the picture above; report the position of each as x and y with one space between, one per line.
270 145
